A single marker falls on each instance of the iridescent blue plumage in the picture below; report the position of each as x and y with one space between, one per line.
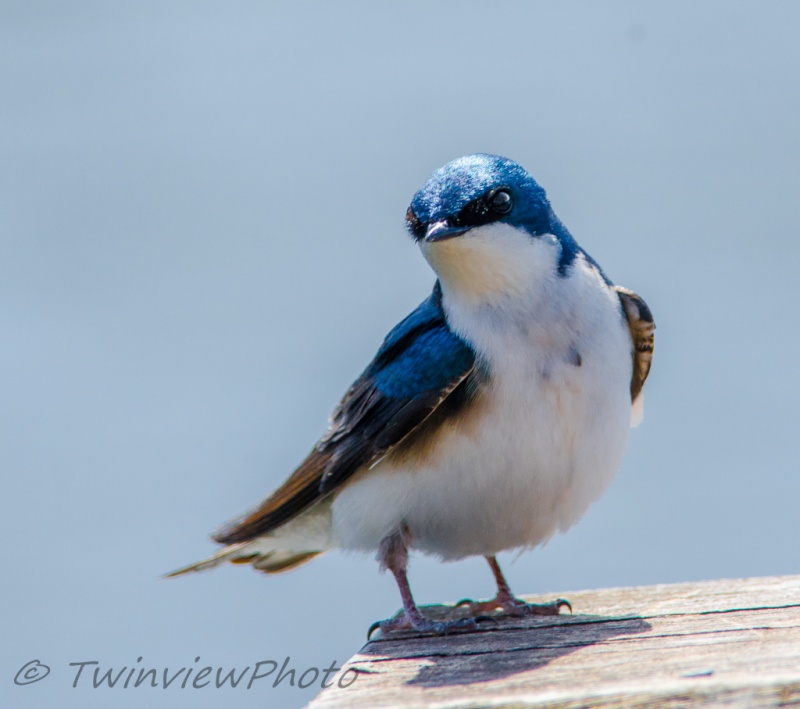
421 354
461 181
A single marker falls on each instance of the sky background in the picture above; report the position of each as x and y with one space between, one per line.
202 244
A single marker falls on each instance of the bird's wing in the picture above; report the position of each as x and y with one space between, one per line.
420 363
642 328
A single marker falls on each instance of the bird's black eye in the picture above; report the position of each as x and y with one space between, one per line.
487 208
501 201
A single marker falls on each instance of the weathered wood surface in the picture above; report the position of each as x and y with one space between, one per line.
715 643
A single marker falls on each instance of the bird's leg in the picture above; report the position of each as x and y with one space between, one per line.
506 602
393 555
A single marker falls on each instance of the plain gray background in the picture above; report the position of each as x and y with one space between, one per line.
201 225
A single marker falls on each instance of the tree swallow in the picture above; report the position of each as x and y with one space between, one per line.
490 418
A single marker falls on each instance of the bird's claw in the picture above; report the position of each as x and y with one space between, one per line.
421 624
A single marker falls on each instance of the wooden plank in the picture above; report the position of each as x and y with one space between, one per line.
714 643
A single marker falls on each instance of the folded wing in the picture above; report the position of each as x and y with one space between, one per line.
419 365
642 328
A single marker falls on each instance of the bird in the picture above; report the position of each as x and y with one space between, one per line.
490 418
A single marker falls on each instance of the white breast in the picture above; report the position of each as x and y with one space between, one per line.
547 432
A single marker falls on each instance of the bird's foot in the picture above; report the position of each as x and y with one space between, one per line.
508 605
420 624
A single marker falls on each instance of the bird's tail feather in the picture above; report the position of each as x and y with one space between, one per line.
268 561
277 561
297 541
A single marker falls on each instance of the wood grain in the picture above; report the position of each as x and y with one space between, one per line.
713 643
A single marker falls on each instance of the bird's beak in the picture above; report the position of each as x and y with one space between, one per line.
441 230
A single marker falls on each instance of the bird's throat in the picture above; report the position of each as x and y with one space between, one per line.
490 263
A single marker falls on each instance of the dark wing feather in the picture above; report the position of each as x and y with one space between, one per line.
419 364
642 328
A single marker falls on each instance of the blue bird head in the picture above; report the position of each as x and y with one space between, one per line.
485 190
476 190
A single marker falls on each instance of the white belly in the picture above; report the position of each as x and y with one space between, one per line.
542 441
